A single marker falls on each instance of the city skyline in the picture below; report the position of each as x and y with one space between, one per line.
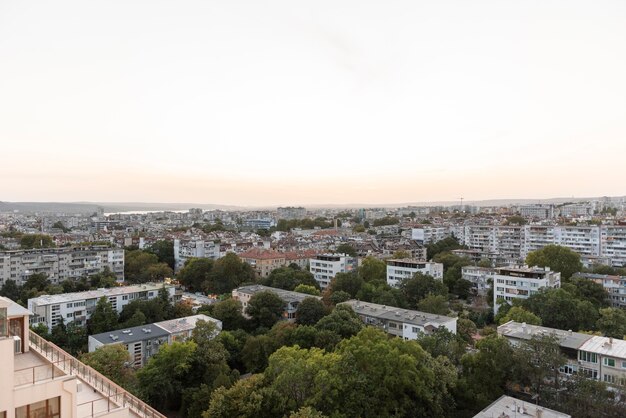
311 103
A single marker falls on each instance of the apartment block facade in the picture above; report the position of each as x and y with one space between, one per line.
479 277
292 299
77 307
60 264
521 282
614 285
399 270
325 267
186 249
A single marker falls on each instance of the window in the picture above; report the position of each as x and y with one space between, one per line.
392 325
588 357
416 330
69 305
623 364
609 378
49 408
609 362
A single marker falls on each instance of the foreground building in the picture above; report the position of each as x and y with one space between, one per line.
404 323
60 264
599 358
41 380
399 270
77 307
292 299
142 342
520 282
508 407
325 267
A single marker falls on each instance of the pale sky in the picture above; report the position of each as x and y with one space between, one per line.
302 102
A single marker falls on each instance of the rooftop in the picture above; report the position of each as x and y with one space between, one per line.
523 331
185 324
606 346
398 314
131 335
96 294
13 309
286 295
508 407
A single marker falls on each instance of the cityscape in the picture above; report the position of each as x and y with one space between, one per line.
311 209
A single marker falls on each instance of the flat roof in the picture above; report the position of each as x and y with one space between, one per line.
398 314
97 294
605 346
187 323
409 261
286 295
509 407
13 308
131 335
522 331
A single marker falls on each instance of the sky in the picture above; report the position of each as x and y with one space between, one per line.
311 102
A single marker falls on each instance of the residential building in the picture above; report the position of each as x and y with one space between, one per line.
325 267
613 244
479 277
427 234
77 307
536 211
292 299
399 270
59 264
519 282
194 248
263 260
291 213
508 407
403 323
142 342
41 380
576 210
599 358
255 224
614 285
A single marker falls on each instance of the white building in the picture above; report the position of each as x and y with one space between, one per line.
427 234
325 267
520 282
183 250
77 307
291 213
41 380
613 244
399 270
536 211
59 264
405 323
292 299
479 277
144 341
614 285
576 210
507 407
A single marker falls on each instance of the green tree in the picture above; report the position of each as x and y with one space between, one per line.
419 287
195 273
11 290
444 245
516 220
228 273
29 241
347 282
558 258
435 304
466 329
310 311
343 321
308 289
113 361
248 398
104 318
372 269
558 308
289 278
229 312
164 250
339 296
136 265
265 308
307 412
443 342
519 314
540 359
589 290
346 249
612 322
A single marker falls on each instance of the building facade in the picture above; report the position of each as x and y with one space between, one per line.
184 250
399 270
479 277
325 267
263 261
292 299
614 285
521 282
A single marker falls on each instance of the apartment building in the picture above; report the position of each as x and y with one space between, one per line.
77 307
614 285
325 267
576 210
519 282
613 244
479 277
536 211
404 323
507 407
59 264
292 299
599 358
427 234
399 270
142 342
264 260
291 213
41 380
194 248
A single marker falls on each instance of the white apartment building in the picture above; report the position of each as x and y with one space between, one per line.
59 264
614 285
520 282
404 323
291 213
292 299
183 250
479 277
399 270
599 358
613 244
427 234
575 210
41 380
77 307
325 267
536 211
142 342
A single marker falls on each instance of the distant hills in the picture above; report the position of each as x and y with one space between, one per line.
111 207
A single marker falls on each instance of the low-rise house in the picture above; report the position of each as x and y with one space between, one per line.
292 299
404 323
508 407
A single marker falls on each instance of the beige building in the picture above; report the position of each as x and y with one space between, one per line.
263 260
41 380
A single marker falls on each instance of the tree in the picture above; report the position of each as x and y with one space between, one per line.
612 322
29 241
309 290
157 273
419 286
309 311
343 321
466 329
558 258
164 250
443 342
229 312
256 352
372 269
113 361
519 314
248 398
558 308
589 290
307 412
265 308
444 245
195 273
289 278
400 254
516 220
11 290
228 273
339 296
435 304
104 318
347 282
540 359
346 249
137 264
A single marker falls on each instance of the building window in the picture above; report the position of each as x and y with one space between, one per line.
50 408
609 362
588 357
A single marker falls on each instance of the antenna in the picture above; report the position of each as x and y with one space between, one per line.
461 204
